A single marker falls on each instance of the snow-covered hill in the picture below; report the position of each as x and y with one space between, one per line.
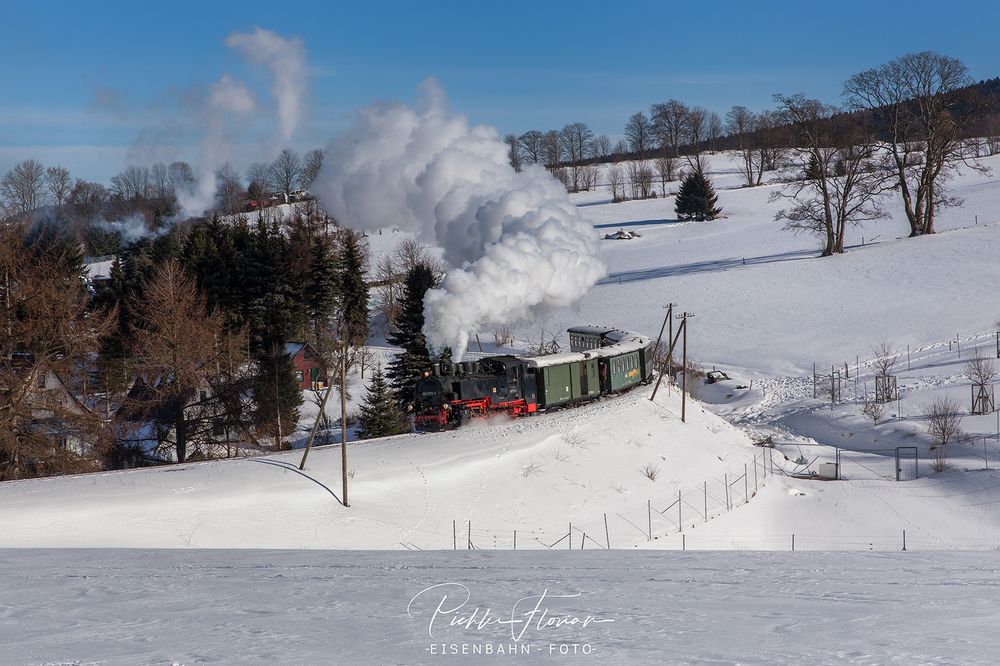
534 475
766 311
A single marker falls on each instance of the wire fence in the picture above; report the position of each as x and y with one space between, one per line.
666 513
855 380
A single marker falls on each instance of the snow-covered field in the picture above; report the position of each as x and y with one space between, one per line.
304 607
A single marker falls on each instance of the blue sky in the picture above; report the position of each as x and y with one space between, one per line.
88 84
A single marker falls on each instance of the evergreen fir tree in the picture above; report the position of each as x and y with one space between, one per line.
404 370
266 293
276 393
696 199
353 290
322 285
380 416
298 256
813 171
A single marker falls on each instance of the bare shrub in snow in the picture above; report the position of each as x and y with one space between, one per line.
531 468
588 177
873 409
503 336
650 471
692 381
943 421
615 183
545 344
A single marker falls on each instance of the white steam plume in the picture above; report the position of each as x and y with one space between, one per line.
517 245
286 60
225 96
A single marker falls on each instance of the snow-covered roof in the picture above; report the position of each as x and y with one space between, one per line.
98 268
590 330
555 359
622 343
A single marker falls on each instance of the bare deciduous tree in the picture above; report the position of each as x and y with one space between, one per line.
576 139
159 181
189 371
669 125
311 166
665 170
588 176
23 187
602 147
390 273
773 137
980 370
258 183
825 204
532 145
743 125
562 175
638 133
714 130
513 151
553 149
914 97
285 173
181 176
640 178
48 339
58 182
132 184
229 192
615 183
884 359
87 199
696 132
619 151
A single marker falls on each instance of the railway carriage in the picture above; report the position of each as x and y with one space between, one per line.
601 361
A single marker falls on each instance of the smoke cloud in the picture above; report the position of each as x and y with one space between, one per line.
132 228
517 246
226 96
286 60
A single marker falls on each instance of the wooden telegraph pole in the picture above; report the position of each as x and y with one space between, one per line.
343 419
319 415
684 369
670 351
668 319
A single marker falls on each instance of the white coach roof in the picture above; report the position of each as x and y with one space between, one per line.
622 342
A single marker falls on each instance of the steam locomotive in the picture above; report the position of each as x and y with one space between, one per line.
601 361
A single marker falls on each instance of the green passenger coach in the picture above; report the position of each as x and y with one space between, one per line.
600 361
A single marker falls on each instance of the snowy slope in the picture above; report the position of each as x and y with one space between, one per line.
534 475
